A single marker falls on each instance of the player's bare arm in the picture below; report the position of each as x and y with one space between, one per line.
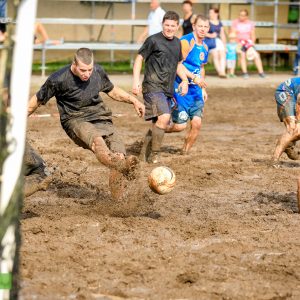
33 104
184 85
120 95
200 81
196 79
137 67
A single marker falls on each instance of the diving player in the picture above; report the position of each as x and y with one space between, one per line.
287 97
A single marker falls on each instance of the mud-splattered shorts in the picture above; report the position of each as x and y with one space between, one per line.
83 134
156 104
286 104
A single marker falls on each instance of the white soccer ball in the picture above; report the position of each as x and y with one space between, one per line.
162 180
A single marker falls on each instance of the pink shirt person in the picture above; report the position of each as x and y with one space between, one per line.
243 30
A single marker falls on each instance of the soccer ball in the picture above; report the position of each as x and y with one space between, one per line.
162 180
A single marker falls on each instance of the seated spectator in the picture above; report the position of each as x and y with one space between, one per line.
41 36
216 41
245 32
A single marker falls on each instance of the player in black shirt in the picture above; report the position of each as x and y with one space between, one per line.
85 117
162 55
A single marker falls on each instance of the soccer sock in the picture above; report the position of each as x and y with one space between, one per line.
146 148
157 138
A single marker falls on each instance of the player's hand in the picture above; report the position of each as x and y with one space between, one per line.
183 87
200 82
204 94
139 108
136 88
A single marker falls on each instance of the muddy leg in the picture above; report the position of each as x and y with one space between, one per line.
33 162
116 184
146 148
192 134
116 161
34 183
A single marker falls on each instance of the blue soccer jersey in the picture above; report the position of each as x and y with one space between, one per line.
192 104
286 97
195 56
291 85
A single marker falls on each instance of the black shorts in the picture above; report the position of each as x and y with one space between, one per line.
83 134
156 104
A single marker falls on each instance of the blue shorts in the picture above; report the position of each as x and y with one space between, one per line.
286 104
188 106
156 104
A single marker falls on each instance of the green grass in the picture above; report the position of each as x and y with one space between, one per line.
123 67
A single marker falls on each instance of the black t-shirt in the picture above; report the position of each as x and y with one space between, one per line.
161 57
187 25
77 99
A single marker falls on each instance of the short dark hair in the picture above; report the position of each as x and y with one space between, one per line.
85 55
187 2
201 17
171 15
215 9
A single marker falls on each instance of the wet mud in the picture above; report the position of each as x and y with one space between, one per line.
228 230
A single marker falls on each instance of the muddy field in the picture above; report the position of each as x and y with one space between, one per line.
229 230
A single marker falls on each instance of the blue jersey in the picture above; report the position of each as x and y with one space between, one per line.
286 98
195 56
292 86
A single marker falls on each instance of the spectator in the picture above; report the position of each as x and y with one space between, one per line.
216 41
188 17
155 18
245 31
41 36
231 55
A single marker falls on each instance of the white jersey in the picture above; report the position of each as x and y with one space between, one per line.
155 20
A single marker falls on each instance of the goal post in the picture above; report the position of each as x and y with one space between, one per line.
18 55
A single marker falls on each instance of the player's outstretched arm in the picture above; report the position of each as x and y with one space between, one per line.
33 104
137 67
120 95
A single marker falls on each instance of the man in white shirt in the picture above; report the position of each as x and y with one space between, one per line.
155 18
